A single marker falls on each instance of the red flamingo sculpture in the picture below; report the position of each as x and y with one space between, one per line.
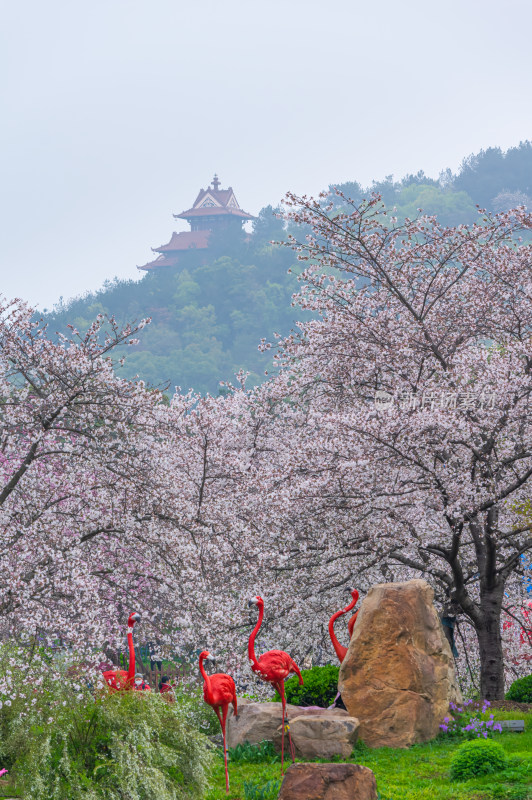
119 680
218 691
273 667
339 649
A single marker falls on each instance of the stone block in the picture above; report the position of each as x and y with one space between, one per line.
321 736
328 782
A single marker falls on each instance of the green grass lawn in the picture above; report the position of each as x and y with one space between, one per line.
420 773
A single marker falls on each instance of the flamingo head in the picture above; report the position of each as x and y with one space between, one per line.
134 617
205 655
355 595
255 601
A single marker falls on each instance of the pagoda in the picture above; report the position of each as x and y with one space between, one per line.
214 209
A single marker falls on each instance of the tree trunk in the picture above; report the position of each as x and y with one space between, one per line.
490 647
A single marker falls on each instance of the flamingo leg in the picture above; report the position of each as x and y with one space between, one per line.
225 708
281 692
222 726
291 746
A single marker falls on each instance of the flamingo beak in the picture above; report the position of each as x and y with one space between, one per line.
252 602
211 658
136 617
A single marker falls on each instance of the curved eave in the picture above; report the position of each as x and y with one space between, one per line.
213 211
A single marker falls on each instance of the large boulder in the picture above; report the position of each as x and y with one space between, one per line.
398 676
328 782
322 735
257 722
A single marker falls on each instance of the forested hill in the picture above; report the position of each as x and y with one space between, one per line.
208 318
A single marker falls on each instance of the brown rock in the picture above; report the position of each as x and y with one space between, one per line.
321 735
398 675
257 722
328 782
314 711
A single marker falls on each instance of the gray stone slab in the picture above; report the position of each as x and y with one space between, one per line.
515 725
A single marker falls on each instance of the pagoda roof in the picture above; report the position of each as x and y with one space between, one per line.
180 242
214 212
222 195
185 240
214 201
161 261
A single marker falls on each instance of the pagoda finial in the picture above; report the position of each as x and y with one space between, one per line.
215 182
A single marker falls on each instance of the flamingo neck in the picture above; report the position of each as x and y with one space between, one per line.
131 669
339 649
351 624
251 644
204 675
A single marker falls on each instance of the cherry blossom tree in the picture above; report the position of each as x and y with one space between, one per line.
112 501
395 440
76 482
400 433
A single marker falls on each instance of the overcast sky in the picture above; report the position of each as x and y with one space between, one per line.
116 112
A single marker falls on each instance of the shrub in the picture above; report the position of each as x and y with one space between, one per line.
479 757
196 711
261 753
261 791
114 746
319 689
521 690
